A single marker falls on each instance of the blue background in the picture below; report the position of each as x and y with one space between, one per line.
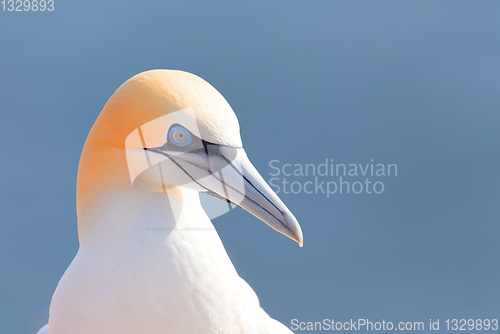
414 83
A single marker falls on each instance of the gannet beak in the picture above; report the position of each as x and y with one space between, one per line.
260 200
227 173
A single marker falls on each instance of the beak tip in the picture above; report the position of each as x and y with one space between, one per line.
300 239
294 229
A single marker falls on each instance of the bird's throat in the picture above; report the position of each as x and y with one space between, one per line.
124 213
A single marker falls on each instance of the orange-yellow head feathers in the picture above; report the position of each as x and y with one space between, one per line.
168 129
142 99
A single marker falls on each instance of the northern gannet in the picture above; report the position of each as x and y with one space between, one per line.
150 260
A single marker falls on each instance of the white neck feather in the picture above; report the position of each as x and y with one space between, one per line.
124 213
151 262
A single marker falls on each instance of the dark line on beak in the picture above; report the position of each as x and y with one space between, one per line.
224 185
260 192
178 165
207 191
226 193
207 164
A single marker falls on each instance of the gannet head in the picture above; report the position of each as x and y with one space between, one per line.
170 129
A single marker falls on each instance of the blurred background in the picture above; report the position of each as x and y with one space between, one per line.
414 83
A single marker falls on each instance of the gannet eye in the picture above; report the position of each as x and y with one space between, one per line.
179 136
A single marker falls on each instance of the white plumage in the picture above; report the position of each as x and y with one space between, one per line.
150 260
